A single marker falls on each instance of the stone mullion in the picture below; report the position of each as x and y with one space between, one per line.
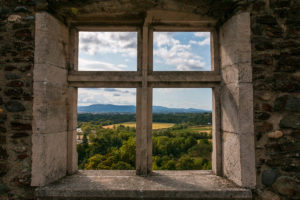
144 107
150 98
72 157
217 163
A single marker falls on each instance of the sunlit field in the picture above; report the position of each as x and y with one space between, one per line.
155 126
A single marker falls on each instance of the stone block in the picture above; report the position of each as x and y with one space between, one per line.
235 43
229 109
50 102
51 41
239 158
50 50
275 134
49 154
230 74
12 76
237 107
17 126
228 46
44 22
46 92
269 176
3 189
20 135
14 106
287 186
15 84
72 162
268 195
245 72
266 19
49 118
50 74
244 32
3 153
287 103
72 107
247 159
246 119
290 121
237 73
231 157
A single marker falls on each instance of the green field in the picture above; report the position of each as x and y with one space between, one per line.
196 129
158 126
155 126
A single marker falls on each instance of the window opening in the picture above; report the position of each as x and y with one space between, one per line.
106 128
107 51
171 52
182 129
181 51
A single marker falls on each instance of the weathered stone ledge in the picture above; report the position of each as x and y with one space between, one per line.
117 184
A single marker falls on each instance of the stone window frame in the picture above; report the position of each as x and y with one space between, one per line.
230 79
145 79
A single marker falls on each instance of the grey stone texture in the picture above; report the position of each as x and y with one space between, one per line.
16 90
124 184
49 137
237 101
269 176
274 61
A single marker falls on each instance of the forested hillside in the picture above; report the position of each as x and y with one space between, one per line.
185 145
107 119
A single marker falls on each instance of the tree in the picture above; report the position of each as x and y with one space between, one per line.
85 142
122 166
127 151
185 163
179 147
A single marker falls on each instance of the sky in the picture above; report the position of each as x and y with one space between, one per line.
173 51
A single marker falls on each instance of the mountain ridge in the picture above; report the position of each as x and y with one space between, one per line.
111 108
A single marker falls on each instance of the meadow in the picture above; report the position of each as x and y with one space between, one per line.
155 125
158 125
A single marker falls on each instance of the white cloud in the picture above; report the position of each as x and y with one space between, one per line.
165 38
202 34
205 39
108 42
122 66
171 52
89 96
92 65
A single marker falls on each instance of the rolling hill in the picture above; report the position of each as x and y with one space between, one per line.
109 108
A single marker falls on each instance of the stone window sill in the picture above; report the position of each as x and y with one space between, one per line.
124 184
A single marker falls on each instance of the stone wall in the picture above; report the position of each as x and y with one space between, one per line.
275 43
276 67
16 67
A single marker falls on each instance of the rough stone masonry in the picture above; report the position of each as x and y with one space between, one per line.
275 39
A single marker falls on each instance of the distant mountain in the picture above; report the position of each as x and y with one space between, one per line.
109 108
